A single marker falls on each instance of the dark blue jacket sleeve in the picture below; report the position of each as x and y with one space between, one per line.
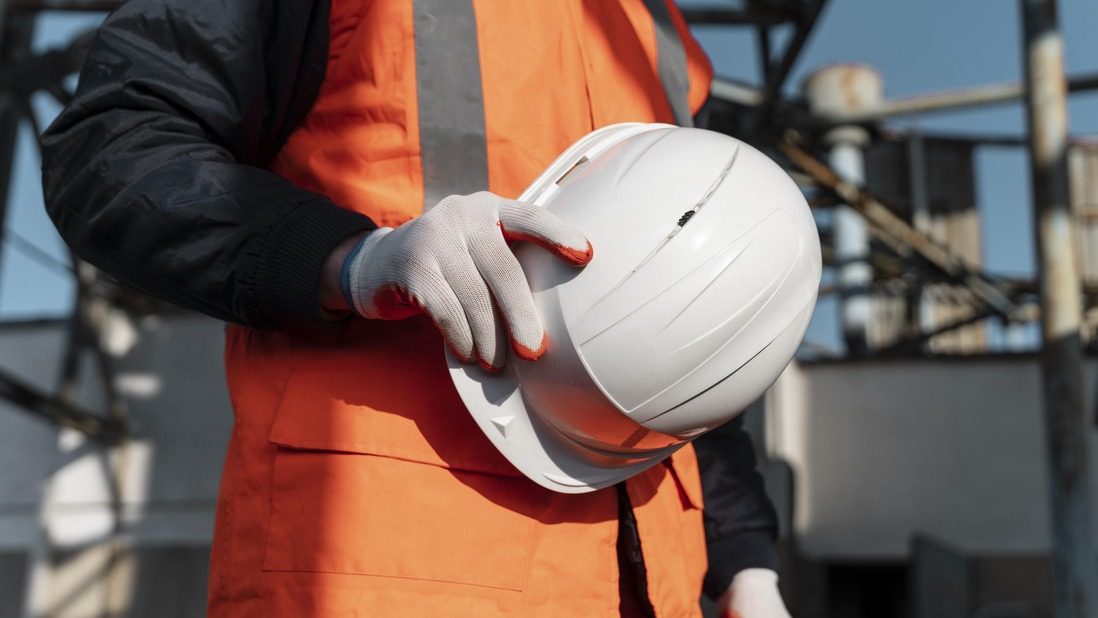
154 173
741 526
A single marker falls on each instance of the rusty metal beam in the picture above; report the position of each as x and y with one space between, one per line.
1016 286
900 236
1026 313
762 41
735 91
16 32
44 71
85 334
885 265
949 100
779 73
897 233
21 75
52 409
1028 309
1074 568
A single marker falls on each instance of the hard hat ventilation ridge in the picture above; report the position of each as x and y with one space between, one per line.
678 226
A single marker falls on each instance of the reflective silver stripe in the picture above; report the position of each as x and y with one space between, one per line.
671 58
451 100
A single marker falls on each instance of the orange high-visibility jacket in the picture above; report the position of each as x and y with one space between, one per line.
356 484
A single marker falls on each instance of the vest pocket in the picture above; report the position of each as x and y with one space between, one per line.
357 489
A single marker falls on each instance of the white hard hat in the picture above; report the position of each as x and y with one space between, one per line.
704 277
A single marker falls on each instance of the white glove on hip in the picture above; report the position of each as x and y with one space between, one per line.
753 594
451 263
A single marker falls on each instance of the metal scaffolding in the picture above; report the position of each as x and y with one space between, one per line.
23 74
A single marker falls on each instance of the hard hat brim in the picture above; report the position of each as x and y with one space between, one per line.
535 448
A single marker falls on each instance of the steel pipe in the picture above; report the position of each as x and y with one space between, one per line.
1075 574
949 100
849 88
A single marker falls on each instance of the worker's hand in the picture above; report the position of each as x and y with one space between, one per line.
753 594
452 263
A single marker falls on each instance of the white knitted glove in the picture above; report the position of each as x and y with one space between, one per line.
753 594
451 263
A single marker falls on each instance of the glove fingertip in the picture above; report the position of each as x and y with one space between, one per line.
531 354
577 257
467 358
489 367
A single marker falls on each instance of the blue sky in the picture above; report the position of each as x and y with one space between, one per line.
917 45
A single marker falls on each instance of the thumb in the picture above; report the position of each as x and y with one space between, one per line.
526 222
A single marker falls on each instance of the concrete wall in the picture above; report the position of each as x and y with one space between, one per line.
881 450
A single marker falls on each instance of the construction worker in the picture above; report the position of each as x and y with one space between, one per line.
267 163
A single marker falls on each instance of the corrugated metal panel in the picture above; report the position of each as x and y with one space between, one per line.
1083 167
944 207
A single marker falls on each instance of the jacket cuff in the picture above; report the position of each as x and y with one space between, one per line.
750 549
287 273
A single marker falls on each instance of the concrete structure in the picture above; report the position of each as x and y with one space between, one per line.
886 449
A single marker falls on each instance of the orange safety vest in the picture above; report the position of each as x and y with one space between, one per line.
356 484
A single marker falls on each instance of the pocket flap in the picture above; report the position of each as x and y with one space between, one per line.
400 413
